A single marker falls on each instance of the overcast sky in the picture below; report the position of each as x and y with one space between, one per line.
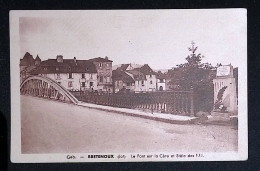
157 37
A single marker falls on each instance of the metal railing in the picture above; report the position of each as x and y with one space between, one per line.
175 102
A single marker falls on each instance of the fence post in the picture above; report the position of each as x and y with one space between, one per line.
192 101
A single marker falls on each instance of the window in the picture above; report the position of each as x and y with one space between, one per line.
58 76
91 77
70 84
100 65
83 75
45 69
108 66
70 75
101 79
83 84
57 69
150 75
151 82
108 79
91 84
142 83
161 80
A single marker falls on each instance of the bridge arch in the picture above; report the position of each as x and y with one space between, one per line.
45 87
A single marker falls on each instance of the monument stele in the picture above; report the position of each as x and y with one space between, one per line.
225 80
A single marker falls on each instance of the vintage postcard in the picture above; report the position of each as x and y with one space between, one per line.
128 85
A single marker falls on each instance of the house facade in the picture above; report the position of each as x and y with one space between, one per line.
73 74
122 82
143 78
161 81
104 73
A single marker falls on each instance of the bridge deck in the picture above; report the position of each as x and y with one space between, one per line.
55 127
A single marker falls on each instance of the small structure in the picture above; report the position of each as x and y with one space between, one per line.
161 81
225 96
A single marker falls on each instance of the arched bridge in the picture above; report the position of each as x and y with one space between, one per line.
47 88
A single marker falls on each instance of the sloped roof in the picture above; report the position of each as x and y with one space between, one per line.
99 59
121 75
137 74
146 69
27 60
123 67
67 66
38 58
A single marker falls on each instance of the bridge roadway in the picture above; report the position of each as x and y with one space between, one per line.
55 127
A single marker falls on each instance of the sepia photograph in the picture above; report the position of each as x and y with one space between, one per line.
128 85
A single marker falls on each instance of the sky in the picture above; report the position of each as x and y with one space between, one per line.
159 38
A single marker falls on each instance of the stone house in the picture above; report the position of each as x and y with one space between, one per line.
122 81
73 74
104 73
143 76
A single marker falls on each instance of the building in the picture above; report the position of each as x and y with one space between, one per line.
122 82
161 81
104 73
143 76
73 74
37 61
27 65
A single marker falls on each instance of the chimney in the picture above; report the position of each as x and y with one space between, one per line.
106 58
59 58
75 60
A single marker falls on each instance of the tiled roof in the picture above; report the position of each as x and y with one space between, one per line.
121 75
137 74
145 69
99 59
123 67
67 66
37 58
27 60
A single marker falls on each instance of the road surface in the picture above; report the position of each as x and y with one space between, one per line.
55 127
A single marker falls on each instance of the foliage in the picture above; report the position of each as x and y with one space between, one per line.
198 75
220 93
219 104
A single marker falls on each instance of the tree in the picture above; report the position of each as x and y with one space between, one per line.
195 74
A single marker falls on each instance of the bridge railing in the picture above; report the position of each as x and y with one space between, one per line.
175 102
45 87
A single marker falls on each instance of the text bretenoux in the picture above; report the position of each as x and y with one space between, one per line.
100 156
